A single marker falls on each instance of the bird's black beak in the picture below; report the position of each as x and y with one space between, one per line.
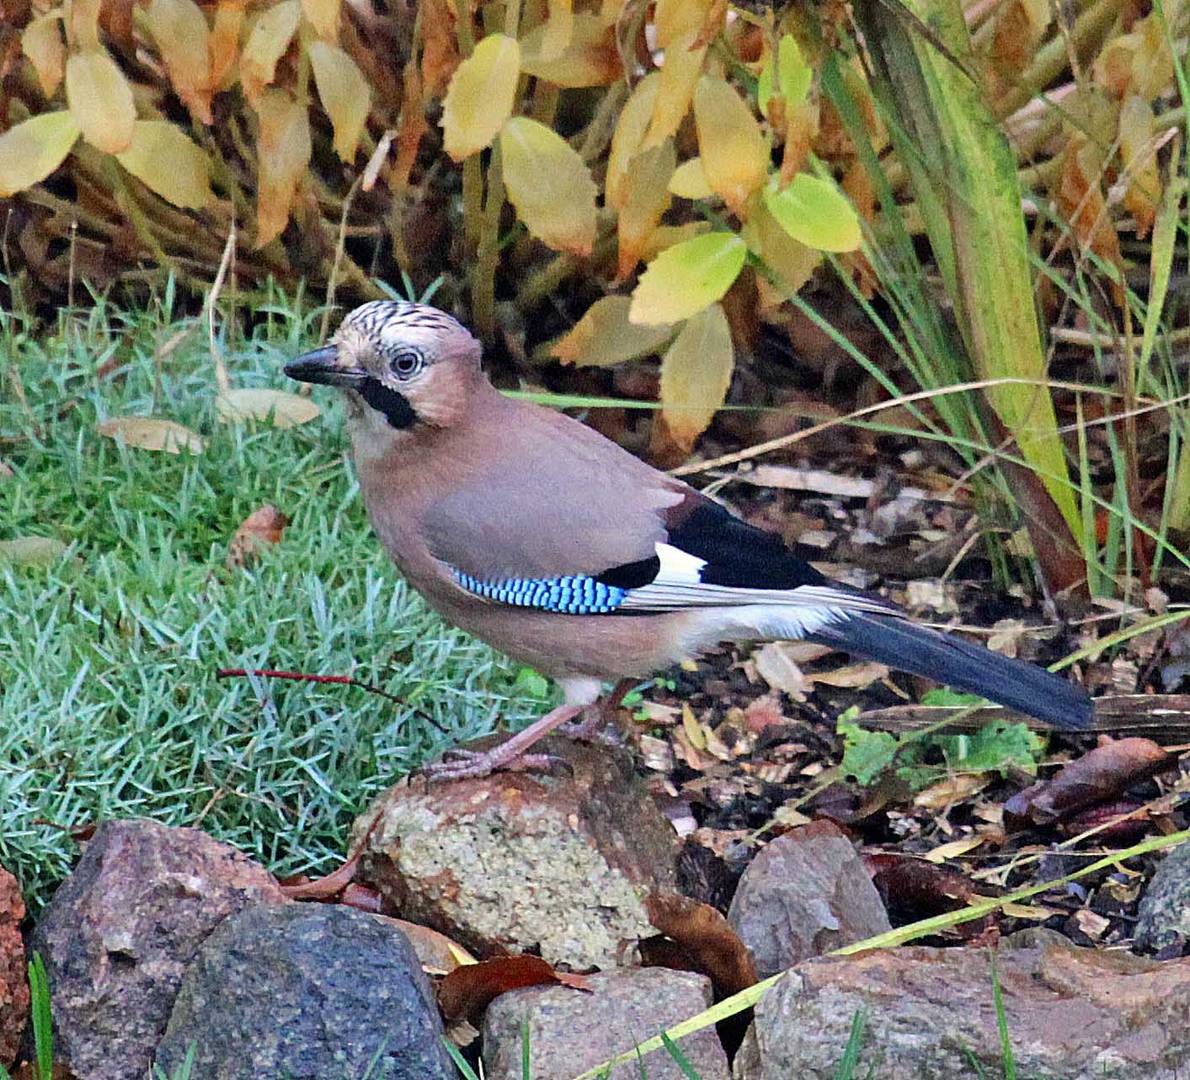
322 366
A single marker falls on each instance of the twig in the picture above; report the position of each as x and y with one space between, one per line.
222 381
341 680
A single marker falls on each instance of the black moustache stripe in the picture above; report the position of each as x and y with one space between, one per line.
395 407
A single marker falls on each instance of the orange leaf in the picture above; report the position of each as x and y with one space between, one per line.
101 101
162 158
679 75
1139 155
549 185
710 944
413 128
464 994
180 30
646 199
283 150
42 44
262 527
269 38
629 134
345 94
440 49
224 44
733 150
481 96
695 374
34 148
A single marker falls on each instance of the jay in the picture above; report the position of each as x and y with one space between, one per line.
538 535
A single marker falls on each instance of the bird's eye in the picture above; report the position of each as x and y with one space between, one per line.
407 364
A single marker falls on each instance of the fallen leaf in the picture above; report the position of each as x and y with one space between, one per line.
263 526
149 433
950 790
436 953
1099 775
705 938
916 889
263 403
852 676
777 667
953 849
31 550
466 992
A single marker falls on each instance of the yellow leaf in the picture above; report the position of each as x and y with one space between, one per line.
280 407
101 101
183 38
481 95
34 148
1139 155
953 849
82 23
549 185
794 76
162 158
629 134
695 374
323 15
733 150
269 38
42 44
689 181
344 92
814 212
283 150
558 29
646 199
590 59
149 433
673 19
686 278
604 336
792 262
678 75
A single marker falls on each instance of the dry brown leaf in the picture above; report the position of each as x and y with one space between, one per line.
437 954
150 433
951 790
777 667
852 676
466 992
280 407
265 525
709 943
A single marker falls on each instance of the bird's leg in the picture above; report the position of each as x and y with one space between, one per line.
597 721
510 754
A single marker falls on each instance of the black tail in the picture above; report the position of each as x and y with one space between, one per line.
951 660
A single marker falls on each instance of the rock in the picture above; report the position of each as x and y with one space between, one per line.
571 1031
805 894
306 992
1164 911
14 985
553 863
1078 1014
121 930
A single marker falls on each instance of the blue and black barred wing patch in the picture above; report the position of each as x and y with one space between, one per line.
577 594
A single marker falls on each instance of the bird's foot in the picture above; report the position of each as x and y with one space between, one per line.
596 723
510 754
472 764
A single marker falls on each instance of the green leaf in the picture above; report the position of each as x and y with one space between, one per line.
866 754
794 74
688 277
814 212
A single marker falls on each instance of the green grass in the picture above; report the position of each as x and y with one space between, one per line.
110 706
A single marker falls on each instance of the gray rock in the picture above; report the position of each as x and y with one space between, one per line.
119 933
571 1031
1164 911
804 894
1074 1014
553 863
307 992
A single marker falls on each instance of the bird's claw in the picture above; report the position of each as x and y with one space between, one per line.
458 764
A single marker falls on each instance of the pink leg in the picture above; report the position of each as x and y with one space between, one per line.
597 721
467 764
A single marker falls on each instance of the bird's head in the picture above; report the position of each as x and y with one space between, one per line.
408 364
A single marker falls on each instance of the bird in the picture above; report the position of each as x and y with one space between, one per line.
533 532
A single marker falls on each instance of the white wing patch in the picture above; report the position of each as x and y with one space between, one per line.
678 566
